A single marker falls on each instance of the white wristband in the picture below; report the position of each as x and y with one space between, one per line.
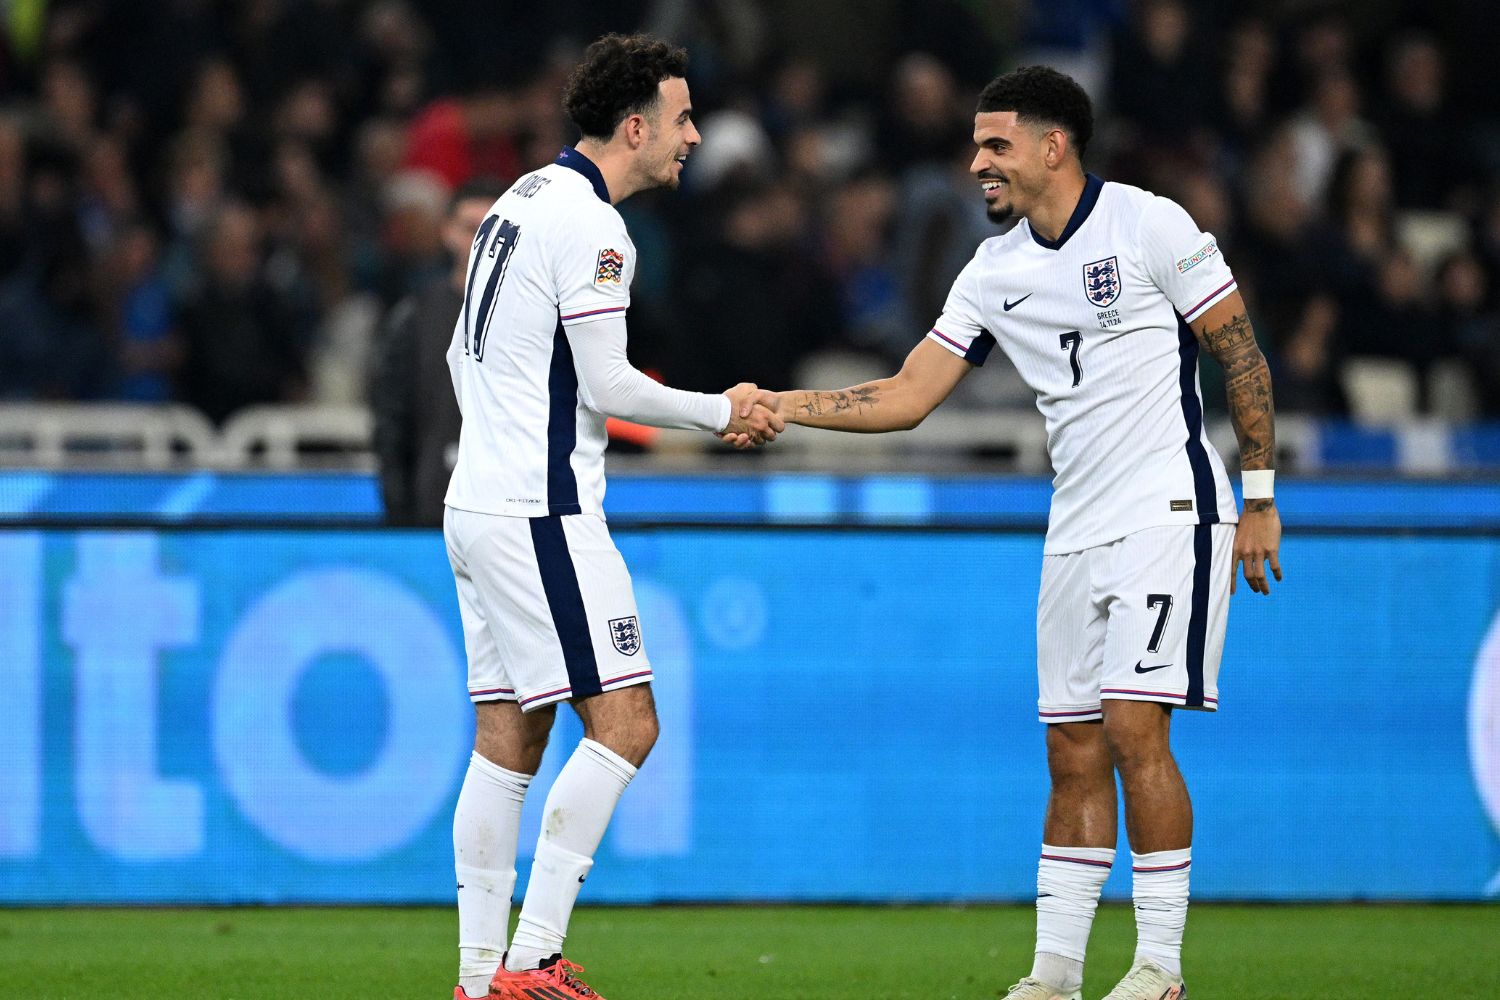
1259 484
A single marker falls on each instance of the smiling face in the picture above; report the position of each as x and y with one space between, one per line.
671 135
1012 164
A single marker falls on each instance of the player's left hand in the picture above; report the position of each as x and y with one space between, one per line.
1257 541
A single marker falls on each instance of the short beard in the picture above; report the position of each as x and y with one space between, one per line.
1000 214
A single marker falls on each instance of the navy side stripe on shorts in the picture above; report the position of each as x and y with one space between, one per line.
1206 497
562 427
565 600
1203 551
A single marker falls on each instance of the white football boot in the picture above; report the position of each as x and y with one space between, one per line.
1035 989
1148 981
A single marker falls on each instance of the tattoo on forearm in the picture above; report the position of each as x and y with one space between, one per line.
858 399
1248 382
1256 506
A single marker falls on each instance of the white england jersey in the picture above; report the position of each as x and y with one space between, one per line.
552 254
1096 324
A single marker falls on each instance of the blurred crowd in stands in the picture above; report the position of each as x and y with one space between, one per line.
222 202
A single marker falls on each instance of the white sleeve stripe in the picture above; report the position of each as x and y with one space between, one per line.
1213 297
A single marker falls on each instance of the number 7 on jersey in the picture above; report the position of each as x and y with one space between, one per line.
1070 342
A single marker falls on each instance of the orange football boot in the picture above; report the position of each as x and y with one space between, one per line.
556 980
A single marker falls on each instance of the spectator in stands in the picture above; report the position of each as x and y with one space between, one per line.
1366 271
1285 279
1426 141
1320 42
1243 114
396 43
244 342
70 105
923 118
12 195
796 98
1398 323
457 138
380 146
858 225
1327 128
1463 294
415 202
107 195
196 190
49 345
307 117
1159 86
416 415
138 314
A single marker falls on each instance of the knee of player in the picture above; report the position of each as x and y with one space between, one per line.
631 738
1133 746
1080 756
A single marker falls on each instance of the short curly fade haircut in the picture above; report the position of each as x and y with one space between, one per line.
619 77
1040 95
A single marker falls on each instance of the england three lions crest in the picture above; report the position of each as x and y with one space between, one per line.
625 633
1101 281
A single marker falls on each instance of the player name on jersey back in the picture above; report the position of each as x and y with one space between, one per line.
552 256
1096 323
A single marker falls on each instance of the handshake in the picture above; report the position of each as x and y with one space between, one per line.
753 416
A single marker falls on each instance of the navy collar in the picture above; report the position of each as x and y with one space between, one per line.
574 160
1086 202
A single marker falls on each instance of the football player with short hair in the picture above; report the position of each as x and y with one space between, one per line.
1102 296
538 361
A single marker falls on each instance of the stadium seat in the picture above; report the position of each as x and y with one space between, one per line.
1431 236
1450 388
1381 391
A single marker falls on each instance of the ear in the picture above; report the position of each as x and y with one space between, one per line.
1055 147
636 131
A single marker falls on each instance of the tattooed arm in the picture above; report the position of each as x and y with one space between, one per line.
1226 334
898 403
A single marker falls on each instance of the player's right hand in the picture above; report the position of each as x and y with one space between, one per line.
751 421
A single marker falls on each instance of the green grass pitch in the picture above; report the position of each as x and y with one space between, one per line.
742 953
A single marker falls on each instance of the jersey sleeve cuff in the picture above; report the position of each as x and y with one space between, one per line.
590 314
977 350
1213 298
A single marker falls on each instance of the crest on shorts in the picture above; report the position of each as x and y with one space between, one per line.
625 633
610 268
1101 281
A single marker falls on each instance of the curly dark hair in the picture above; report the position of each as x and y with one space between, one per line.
1040 95
618 77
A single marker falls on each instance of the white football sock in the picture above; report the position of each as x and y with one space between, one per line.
1068 881
1161 902
573 821
486 824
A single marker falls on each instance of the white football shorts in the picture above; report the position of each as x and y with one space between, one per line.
548 611
1141 618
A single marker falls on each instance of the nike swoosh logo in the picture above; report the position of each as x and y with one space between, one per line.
1146 670
1009 305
